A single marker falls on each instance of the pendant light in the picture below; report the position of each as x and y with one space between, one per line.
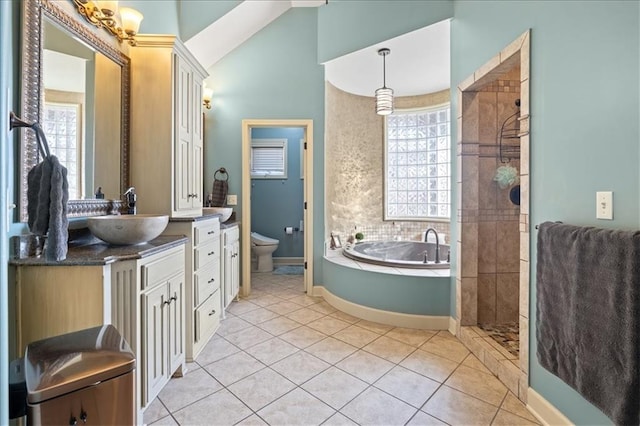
384 95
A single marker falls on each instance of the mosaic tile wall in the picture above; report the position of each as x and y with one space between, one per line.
354 167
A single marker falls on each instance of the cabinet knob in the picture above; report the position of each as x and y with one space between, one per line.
83 416
73 420
211 280
212 312
211 232
211 253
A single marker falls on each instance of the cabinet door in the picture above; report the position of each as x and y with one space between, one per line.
175 324
197 176
228 274
154 340
183 193
235 269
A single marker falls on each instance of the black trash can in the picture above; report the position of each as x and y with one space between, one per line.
17 389
86 377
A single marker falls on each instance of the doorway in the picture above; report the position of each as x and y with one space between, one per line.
307 177
492 283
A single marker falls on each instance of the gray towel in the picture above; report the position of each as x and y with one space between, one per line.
219 194
47 197
588 314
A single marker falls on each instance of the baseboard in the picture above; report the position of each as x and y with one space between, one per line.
288 260
544 410
398 319
453 325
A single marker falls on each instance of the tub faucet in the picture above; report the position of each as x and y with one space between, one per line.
130 199
437 243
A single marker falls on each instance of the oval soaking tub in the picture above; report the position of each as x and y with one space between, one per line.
404 254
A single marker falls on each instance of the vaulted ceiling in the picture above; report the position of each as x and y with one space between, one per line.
418 63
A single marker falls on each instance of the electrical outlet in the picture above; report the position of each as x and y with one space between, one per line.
232 200
604 205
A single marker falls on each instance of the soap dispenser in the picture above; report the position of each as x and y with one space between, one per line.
130 199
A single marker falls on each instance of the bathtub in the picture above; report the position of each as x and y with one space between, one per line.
403 254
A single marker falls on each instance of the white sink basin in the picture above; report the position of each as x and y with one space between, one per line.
224 211
127 229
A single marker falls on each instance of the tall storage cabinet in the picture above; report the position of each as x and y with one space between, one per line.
166 127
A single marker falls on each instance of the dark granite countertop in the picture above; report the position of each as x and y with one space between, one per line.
229 224
100 253
194 218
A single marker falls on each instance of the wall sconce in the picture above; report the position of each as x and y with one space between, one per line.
206 97
104 14
384 95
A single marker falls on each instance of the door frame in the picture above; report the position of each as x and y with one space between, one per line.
247 125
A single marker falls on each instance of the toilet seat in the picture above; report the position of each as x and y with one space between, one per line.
261 240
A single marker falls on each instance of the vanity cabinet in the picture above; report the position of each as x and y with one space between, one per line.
148 308
230 242
163 337
54 300
141 290
166 127
202 280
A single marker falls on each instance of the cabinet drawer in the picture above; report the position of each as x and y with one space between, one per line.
231 235
206 231
161 268
206 282
207 317
206 254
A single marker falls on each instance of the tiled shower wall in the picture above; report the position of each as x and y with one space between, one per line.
354 144
498 218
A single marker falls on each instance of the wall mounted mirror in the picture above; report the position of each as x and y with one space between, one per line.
76 86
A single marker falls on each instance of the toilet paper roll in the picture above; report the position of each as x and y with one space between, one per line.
288 230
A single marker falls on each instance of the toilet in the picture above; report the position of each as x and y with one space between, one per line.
262 249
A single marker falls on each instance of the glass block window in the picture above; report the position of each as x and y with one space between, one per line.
417 164
268 158
62 129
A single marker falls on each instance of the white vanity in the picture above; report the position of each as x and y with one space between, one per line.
202 268
139 289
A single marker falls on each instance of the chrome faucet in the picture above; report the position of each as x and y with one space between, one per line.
130 199
437 244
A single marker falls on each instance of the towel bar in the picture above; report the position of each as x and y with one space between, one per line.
557 221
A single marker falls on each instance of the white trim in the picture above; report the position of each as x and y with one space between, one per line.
398 319
245 244
288 260
544 411
453 325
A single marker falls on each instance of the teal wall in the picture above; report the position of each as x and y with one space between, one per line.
394 293
7 97
345 26
278 203
160 17
273 75
194 16
584 122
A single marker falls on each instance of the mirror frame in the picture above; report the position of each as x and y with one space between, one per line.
32 98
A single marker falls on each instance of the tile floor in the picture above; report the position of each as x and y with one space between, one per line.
283 358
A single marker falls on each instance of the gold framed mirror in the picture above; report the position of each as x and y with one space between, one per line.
93 134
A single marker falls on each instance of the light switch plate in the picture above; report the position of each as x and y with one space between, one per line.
232 200
604 205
